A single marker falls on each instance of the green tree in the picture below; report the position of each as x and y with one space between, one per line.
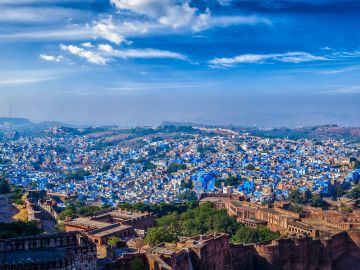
188 184
218 182
66 213
77 208
354 193
158 235
174 167
295 196
339 191
77 174
188 195
296 208
317 201
357 165
105 167
232 181
60 227
4 185
199 220
248 235
113 241
149 166
250 167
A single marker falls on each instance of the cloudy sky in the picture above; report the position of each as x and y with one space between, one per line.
141 62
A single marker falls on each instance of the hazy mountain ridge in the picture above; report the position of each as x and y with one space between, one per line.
25 127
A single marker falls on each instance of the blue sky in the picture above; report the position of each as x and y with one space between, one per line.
141 62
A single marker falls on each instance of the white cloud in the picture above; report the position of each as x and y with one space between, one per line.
355 89
37 15
106 48
347 54
107 30
224 2
69 33
26 77
339 70
90 56
149 53
22 2
166 12
177 15
106 53
289 57
87 44
52 58
139 53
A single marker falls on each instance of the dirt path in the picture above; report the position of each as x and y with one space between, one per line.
7 210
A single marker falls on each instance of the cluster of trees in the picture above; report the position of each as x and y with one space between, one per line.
202 220
316 200
233 181
159 210
77 208
113 241
203 150
17 192
188 195
4 185
149 166
250 167
188 184
18 228
17 195
295 208
296 196
357 164
246 235
354 193
105 167
174 167
77 174
139 131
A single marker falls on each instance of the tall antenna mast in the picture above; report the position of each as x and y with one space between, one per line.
10 109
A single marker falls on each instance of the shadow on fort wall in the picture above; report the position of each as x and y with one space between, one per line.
340 252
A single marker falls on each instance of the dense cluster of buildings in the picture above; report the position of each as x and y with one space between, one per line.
101 226
250 177
267 169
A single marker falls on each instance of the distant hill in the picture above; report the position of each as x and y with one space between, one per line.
313 132
15 121
183 124
316 132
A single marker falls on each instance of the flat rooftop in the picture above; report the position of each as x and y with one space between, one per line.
110 231
162 250
215 199
87 222
254 220
126 215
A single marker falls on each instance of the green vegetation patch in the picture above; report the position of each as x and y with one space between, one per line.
18 228
203 220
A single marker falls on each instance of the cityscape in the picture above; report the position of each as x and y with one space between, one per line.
179 135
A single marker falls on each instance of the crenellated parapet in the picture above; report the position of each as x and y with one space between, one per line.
65 251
